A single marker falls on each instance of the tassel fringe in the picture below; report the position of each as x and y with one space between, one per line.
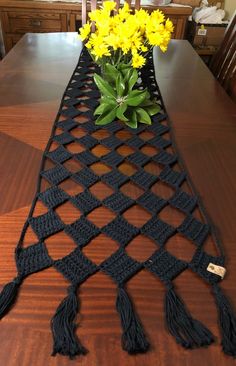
188 332
227 321
8 295
63 327
133 337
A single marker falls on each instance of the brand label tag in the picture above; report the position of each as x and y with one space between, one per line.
218 270
202 32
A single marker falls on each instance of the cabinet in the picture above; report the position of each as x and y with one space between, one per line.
205 44
18 22
20 17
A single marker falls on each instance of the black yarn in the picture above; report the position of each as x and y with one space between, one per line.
76 267
188 332
63 327
8 295
133 337
227 321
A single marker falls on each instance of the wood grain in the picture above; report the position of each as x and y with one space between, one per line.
32 79
19 17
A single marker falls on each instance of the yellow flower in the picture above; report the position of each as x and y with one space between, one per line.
166 35
157 16
124 12
88 44
103 29
143 48
126 46
169 25
155 39
134 51
163 47
114 22
101 50
165 41
95 15
85 31
142 16
136 40
113 41
109 5
125 34
130 26
138 60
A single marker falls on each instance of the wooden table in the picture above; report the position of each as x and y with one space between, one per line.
32 79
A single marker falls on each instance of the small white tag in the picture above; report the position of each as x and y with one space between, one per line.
201 32
218 270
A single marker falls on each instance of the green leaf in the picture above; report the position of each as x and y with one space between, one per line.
146 103
136 97
123 68
102 108
143 116
133 79
106 117
132 118
127 74
120 85
108 100
104 86
110 73
152 109
120 112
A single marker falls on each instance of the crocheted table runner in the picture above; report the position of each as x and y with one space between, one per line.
80 99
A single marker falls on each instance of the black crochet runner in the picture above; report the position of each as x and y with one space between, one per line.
77 267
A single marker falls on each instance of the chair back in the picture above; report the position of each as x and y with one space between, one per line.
223 64
86 7
232 88
133 4
92 5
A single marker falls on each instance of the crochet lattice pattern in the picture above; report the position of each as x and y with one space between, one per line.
80 99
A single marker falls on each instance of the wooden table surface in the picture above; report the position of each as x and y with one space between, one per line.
33 77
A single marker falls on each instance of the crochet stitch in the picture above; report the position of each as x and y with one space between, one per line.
76 267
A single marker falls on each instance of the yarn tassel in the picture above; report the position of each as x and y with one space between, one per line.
133 337
188 332
8 295
63 327
227 321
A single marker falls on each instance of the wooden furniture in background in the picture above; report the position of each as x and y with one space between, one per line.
136 3
232 88
92 5
197 3
206 45
20 17
223 64
85 9
32 82
206 53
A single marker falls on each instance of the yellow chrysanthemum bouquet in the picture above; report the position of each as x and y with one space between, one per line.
119 42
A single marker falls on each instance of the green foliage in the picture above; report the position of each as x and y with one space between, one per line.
120 100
